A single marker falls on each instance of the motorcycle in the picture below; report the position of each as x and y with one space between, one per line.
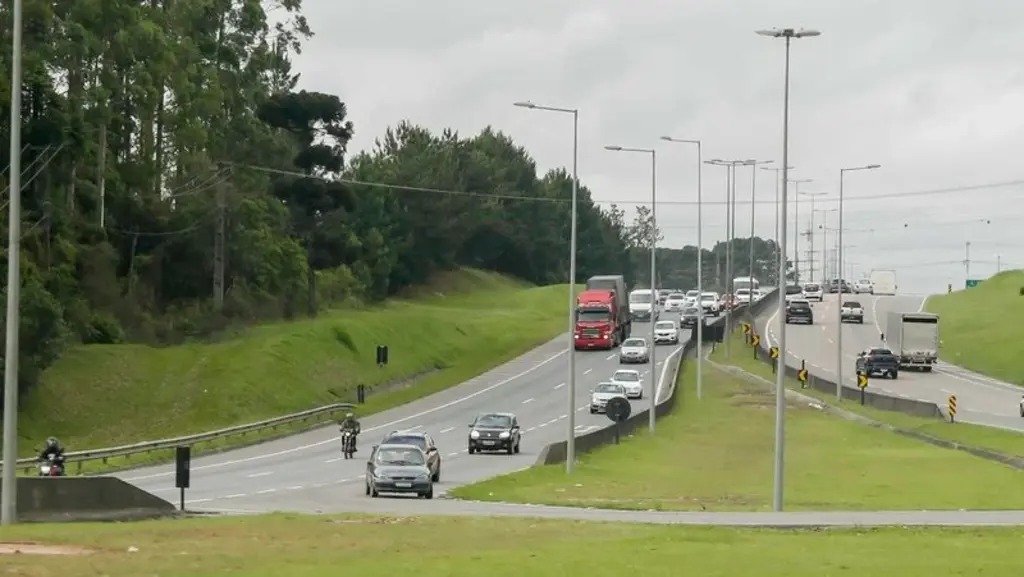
51 468
348 444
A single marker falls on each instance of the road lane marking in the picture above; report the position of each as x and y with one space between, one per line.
559 386
235 496
610 357
266 491
588 371
530 400
443 431
262 474
334 460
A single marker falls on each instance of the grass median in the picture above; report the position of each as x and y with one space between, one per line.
1003 441
464 324
980 326
716 454
290 545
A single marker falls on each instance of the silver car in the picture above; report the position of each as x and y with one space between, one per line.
603 393
631 381
666 332
675 302
634 350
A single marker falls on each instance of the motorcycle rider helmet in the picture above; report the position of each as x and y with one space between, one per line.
52 442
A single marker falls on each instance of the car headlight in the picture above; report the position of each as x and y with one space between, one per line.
380 475
422 476
474 434
504 435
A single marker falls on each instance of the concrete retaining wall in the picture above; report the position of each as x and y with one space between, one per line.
51 499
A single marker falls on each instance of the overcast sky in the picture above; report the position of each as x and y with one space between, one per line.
932 90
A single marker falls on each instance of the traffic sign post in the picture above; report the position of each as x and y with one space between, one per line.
755 342
862 383
774 354
747 328
618 410
952 408
802 374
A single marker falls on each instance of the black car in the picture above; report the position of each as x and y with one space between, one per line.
422 440
799 311
495 432
689 316
398 469
878 360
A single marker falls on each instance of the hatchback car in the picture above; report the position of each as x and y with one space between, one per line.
863 286
398 469
495 432
675 302
690 316
422 440
634 350
813 292
631 381
603 393
666 332
799 311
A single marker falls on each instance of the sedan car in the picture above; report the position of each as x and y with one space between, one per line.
422 440
603 393
851 311
675 302
799 311
495 432
398 469
666 332
631 381
634 350
690 316
878 360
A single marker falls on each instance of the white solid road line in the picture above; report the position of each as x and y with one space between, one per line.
262 474
530 400
559 386
443 431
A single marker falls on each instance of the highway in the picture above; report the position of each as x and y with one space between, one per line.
306 472
980 400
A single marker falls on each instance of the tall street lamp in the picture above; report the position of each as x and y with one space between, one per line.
654 277
839 267
796 229
780 384
730 227
753 204
570 439
700 261
778 170
810 228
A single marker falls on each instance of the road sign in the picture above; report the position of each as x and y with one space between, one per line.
971 283
747 328
774 352
952 407
862 380
755 340
802 375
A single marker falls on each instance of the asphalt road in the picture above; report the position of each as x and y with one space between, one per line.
306 473
980 400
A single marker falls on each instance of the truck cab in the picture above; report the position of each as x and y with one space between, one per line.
596 320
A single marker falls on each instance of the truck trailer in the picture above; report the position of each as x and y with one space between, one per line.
914 339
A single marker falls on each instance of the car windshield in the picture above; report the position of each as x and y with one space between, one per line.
665 325
852 305
742 292
608 388
812 288
493 421
691 311
709 297
799 305
414 440
399 456
879 352
627 376
593 314
794 290
641 298
693 294
634 343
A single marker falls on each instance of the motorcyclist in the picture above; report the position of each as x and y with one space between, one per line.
352 425
53 451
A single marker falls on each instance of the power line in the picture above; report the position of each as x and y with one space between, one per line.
192 227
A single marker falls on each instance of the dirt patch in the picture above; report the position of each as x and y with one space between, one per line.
37 549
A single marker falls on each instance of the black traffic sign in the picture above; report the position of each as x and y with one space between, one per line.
618 409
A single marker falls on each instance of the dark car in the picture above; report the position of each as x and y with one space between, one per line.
422 440
689 316
878 360
799 311
495 432
398 469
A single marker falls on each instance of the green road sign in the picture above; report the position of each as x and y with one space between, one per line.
971 283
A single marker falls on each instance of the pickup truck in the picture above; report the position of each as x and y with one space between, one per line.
878 360
851 311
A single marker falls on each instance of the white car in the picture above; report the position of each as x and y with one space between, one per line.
710 303
634 350
631 381
742 297
813 292
692 296
851 311
675 302
603 393
863 286
757 295
666 332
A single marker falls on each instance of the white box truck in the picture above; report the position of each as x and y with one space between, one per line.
914 339
883 282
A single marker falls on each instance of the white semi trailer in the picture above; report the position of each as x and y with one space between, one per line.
914 339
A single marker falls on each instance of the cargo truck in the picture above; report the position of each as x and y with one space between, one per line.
602 313
883 282
914 339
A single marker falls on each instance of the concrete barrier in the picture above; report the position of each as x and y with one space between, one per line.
52 499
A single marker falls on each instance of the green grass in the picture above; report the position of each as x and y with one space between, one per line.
1000 440
717 454
463 324
294 546
980 328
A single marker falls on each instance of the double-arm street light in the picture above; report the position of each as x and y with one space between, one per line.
654 277
570 440
777 170
839 267
753 205
780 384
700 260
796 228
810 230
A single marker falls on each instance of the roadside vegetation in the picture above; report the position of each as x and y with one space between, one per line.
716 454
980 328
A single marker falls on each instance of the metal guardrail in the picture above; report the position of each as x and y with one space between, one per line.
127 451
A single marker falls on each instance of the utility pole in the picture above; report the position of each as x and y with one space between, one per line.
796 228
999 263
218 250
810 230
967 261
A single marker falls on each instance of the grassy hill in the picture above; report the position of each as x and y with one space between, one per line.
980 327
458 327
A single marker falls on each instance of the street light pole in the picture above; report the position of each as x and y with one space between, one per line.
570 438
780 383
778 256
654 276
810 229
839 267
8 507
700 261
753 205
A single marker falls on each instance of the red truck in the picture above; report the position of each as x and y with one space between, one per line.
602 314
